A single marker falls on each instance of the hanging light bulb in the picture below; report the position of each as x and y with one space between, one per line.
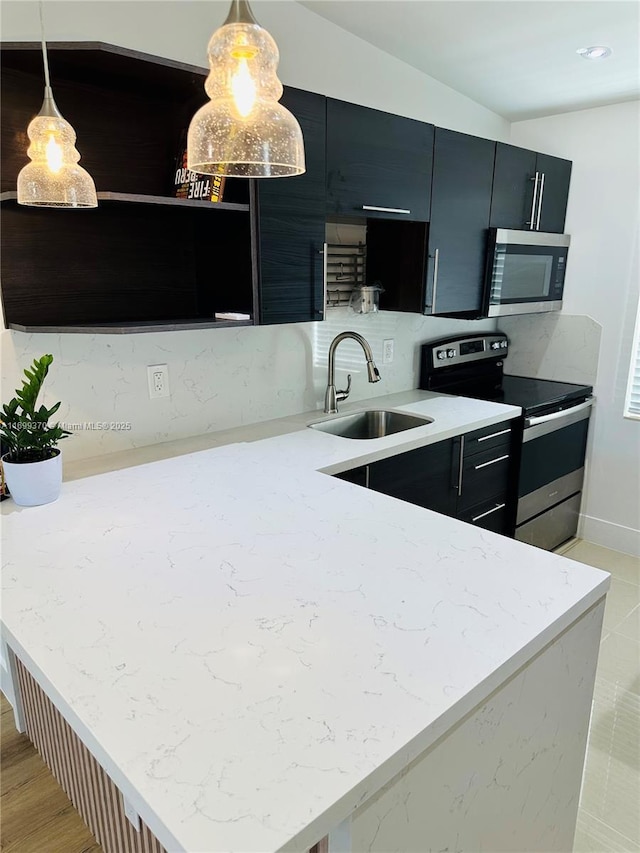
53 178
243 131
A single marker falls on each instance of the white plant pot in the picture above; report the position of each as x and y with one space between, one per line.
34 483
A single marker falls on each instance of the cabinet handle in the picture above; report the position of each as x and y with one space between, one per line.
434 290
385 209
366 476
491 462
494 435
488 512
532 221
325 260
540 201
460 463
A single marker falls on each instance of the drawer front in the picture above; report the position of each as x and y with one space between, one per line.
553 527
488 438
484 476
490 515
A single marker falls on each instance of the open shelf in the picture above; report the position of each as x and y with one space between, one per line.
132 328
136 198
143 260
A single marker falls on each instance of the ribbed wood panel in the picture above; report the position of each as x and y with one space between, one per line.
89 788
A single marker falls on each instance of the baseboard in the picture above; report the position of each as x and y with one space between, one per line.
610 535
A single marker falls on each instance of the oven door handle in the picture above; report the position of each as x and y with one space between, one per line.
556 416
536 427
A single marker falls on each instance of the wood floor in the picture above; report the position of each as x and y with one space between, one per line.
35 813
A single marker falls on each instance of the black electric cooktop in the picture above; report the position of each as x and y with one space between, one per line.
536 396
474 367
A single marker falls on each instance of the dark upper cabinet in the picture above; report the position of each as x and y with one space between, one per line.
377 160
292 223
530 190
511 203
554 190
460 207
423 477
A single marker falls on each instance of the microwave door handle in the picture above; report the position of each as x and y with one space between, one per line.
532 219
540 201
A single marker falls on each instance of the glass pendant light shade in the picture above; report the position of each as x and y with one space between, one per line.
54 178
243 131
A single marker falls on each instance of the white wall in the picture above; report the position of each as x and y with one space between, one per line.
221 378
603 219
314 54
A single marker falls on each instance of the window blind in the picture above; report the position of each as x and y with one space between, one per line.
632 404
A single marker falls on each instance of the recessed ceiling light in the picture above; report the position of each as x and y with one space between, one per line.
595 52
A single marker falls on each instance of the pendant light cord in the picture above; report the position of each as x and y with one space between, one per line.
45 58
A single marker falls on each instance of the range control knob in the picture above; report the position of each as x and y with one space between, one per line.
504 344
495 345
440 354
451 353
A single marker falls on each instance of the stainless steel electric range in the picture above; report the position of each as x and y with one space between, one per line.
554 424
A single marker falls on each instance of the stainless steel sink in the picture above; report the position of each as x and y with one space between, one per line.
371 424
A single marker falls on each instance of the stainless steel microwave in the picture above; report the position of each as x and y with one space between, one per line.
525 272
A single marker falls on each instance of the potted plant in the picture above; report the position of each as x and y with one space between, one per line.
33 464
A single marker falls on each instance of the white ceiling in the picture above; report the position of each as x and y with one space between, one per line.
516 57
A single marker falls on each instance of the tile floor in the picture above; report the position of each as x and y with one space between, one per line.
609 815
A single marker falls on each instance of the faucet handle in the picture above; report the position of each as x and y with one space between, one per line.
342 395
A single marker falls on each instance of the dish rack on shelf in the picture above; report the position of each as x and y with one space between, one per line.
345 269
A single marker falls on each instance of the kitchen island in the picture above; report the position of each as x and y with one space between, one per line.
259 655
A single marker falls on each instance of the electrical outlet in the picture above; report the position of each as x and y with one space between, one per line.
387 351
132 815
158 378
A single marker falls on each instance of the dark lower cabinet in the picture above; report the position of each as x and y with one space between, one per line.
470 477
486 477
378 164
422 477
357 476
460 206
530 190
292 224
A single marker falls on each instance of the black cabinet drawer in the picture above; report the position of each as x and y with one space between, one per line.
490 515
487 438
484 476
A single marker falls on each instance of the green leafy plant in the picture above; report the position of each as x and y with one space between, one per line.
25 429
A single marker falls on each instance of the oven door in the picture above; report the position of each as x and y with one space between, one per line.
525 272
551 474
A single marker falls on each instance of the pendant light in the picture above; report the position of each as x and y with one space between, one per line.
53 178
243 131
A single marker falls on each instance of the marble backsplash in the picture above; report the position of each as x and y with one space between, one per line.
558 346
219 378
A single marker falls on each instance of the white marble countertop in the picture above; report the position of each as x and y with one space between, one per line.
252 648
